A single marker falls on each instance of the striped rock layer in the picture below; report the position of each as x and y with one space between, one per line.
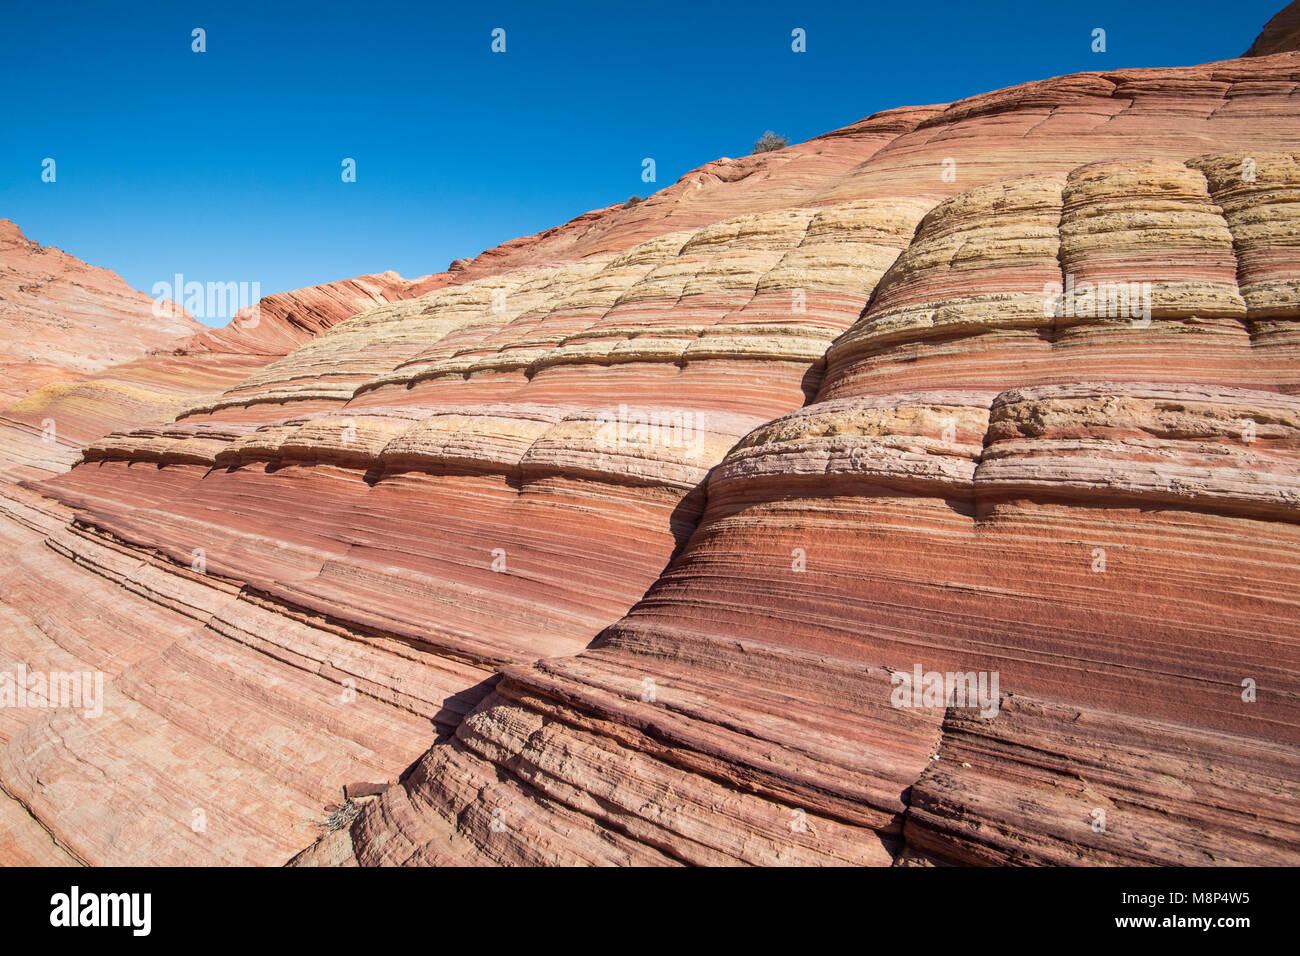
611 545
62 320
44 430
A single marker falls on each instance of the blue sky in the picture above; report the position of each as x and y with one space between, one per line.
225 165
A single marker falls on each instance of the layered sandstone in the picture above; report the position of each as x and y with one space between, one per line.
506 461
1071 533
63 319
43 432
614 544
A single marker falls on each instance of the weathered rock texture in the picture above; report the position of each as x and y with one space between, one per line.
61 320
610 545
43 432
1280 34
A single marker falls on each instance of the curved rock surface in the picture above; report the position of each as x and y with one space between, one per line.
43 432
619 543
61 319
1280 34
1124 547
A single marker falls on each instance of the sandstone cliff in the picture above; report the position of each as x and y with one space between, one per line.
61 319
44 431
609 545
1280 34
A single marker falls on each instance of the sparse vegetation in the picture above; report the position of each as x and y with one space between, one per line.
768 142
341 816
631 201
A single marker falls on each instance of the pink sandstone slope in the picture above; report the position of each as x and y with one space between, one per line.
61 320
44 431
609 545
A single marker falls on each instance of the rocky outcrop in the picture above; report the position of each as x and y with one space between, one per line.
1281 34
1062 534
1045 128
43 432
1047 784
485 398
621 543
210 741
283 321
61 319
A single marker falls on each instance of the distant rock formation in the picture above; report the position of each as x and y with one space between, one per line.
619 543
61 320
44 431
1280 35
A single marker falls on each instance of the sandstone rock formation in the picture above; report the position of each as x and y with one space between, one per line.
61 319
1280 34
617 543
44 431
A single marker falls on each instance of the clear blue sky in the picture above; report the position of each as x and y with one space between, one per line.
225 165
